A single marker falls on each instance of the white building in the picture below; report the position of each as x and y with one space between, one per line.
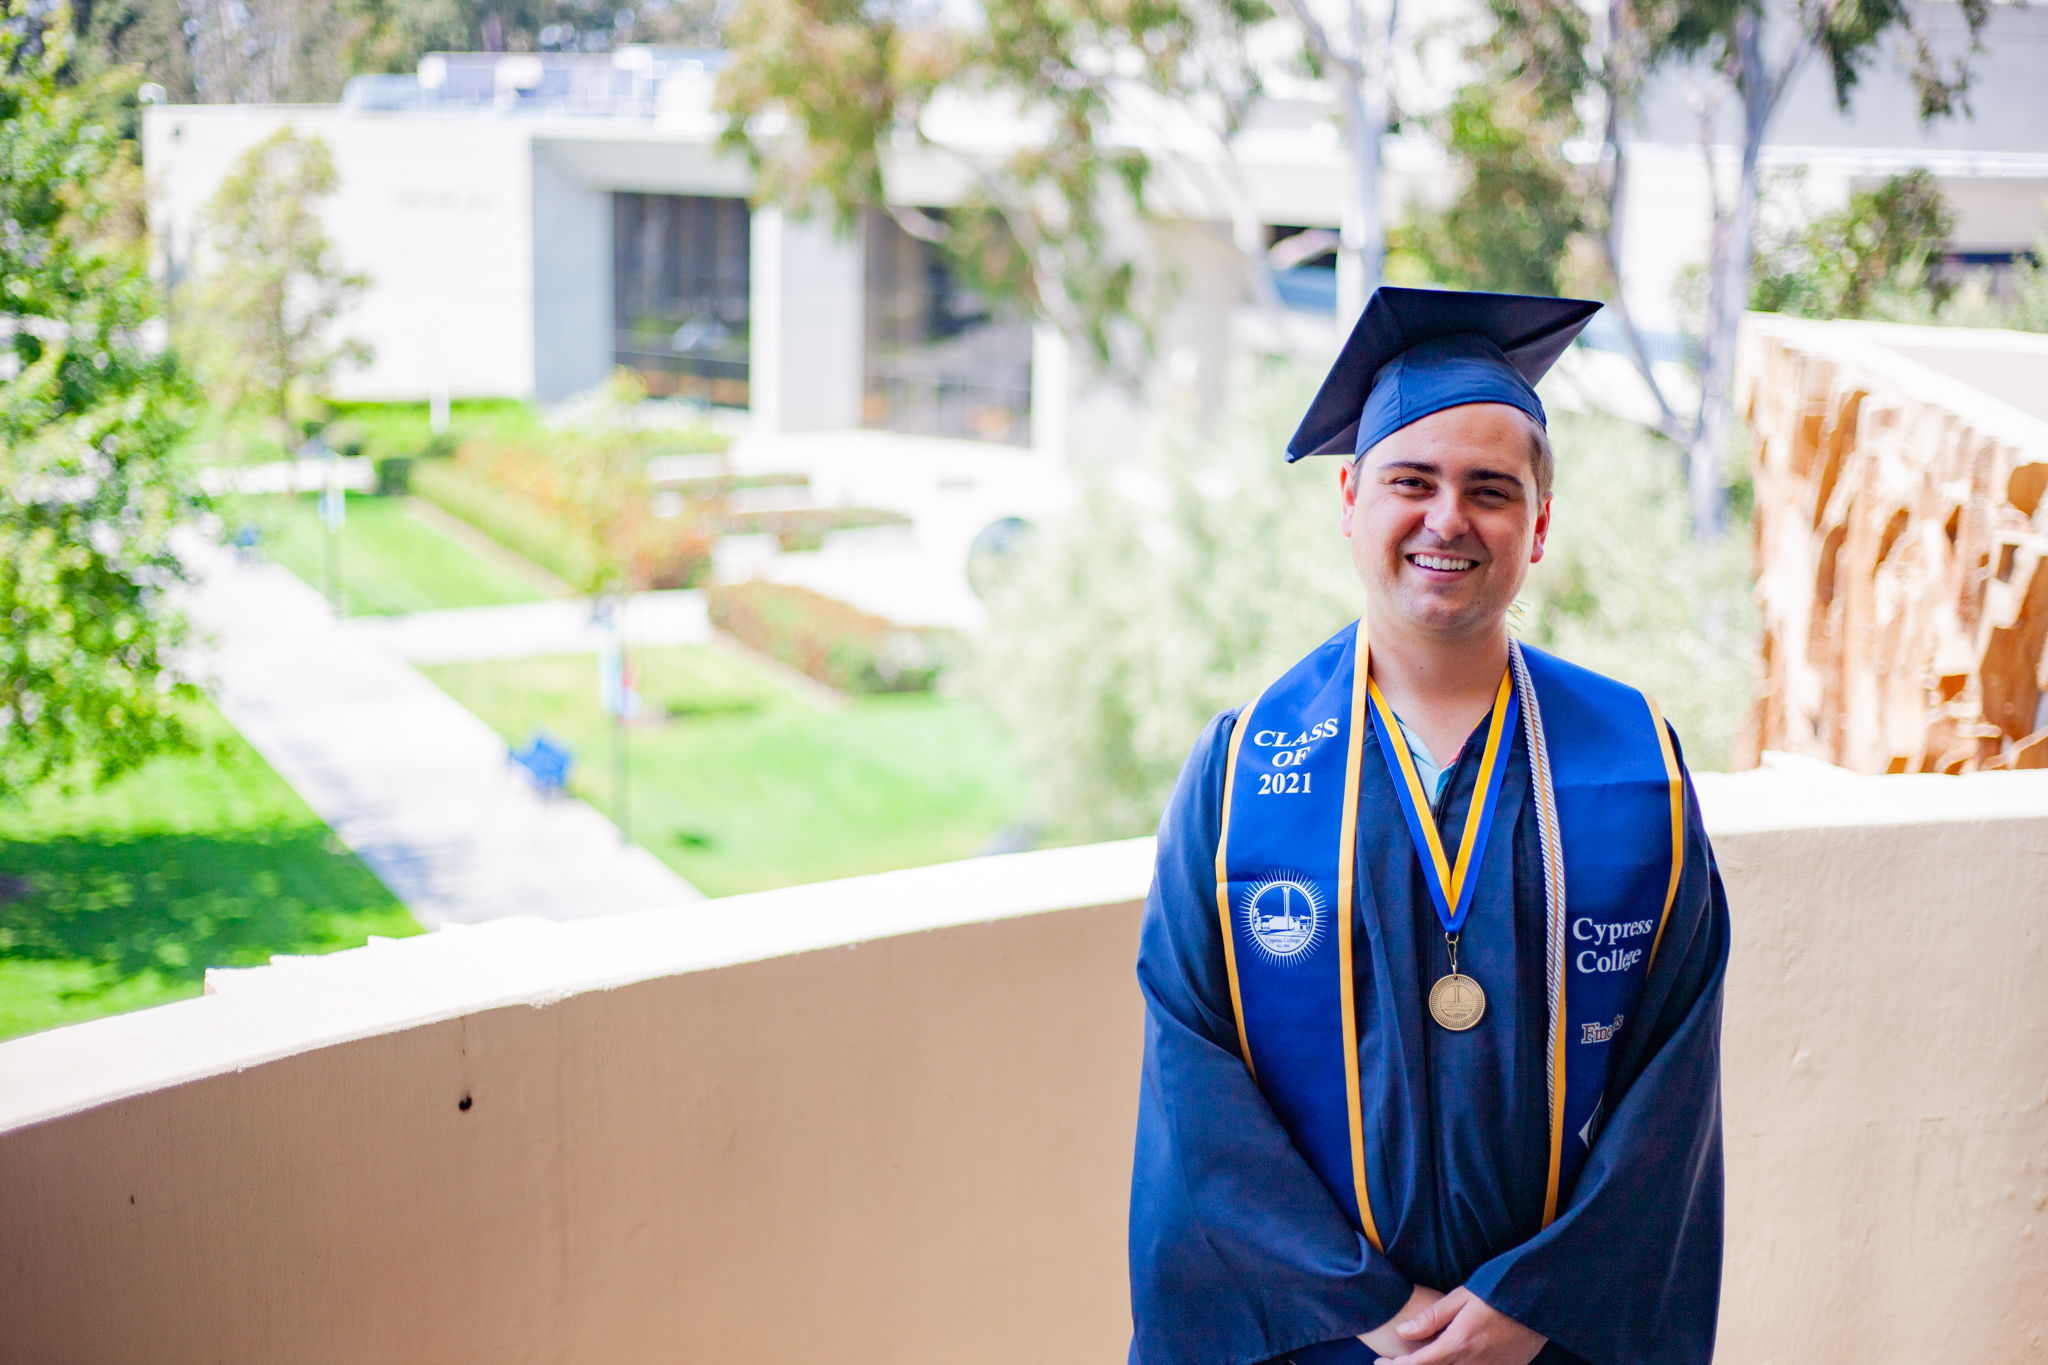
530 221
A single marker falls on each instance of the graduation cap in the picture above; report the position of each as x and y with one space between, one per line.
1418 351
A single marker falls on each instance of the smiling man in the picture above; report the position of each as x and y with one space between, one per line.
1433 955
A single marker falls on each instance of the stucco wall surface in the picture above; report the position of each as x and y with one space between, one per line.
437 213
889 1119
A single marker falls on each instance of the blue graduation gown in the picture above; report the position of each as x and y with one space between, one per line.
1239 1254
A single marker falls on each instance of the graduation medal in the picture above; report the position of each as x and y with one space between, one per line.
1456 1001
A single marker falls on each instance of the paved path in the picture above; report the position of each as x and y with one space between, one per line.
354 473
528 630
409 779
916 574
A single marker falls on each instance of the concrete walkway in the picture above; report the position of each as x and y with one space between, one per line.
409 779
915 575
527 630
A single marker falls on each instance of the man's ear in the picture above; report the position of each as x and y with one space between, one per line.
1542 533
1347 487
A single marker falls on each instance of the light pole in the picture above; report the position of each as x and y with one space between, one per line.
615 695
333 513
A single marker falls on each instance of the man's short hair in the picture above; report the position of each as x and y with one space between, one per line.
1542 460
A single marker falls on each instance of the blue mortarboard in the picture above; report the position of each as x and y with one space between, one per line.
1418 351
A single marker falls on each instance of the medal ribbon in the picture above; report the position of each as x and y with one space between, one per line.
1450 885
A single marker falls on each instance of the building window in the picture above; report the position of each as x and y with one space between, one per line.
1304 265
680 280
941 360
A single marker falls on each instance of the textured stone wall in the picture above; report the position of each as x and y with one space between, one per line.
1901 545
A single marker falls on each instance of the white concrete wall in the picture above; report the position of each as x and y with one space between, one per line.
807 324
1998 206
572 277
577 166
1052 384
642 159
435 211
488 238
889 1119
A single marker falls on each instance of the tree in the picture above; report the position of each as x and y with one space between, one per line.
1220 82
145 34
1196 574
1176 589
1755 48
818 90
1360 66
1522 205
266 309
1851 263
303 51
90 415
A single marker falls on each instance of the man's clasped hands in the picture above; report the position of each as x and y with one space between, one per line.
1458 1328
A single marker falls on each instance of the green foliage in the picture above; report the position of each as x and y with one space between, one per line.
2022 304
826 640
740 786
262 318
384 431
1848 38
1173 590
1186 584
302 51
1520 209
1754 48
1853 262
1521 206
1878 259
190 861
390 561
1625 590
89 417
818 88
512 521
576 502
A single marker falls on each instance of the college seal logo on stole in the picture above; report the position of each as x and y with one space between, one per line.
1611 817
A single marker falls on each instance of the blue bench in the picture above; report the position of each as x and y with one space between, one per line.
546 762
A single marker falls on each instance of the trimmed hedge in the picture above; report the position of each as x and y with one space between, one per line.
805 528
577 503
827 640
510 520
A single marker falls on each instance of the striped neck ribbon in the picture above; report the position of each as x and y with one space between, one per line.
1450 884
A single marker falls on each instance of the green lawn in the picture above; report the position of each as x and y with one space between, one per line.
390 561
187 863
741 787
385 429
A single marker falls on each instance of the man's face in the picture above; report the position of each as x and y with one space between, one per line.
1444 519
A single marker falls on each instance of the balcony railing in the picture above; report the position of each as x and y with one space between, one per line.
889 1119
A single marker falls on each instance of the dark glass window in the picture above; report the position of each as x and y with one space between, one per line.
941 360
679 280
1304 262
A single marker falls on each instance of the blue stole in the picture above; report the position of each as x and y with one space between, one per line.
1611 815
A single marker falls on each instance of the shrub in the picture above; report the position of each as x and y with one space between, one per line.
513 523
1177 587
1862 261
383 430
805 528
827 640
394 476
1205 567
575 502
